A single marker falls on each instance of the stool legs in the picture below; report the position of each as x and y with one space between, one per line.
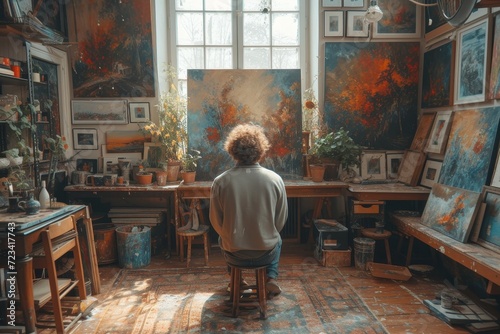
387 251
236 299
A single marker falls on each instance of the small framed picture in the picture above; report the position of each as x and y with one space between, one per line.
439 132
373 165
334 23
332 3
356 26
86 165
85 139
354 3
411 167
430 175
393 163
99 112
495 179
139 112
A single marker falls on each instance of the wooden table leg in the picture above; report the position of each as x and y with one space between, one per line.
24 278
410 248
387 251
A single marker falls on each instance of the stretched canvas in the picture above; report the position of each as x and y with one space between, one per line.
489 232
371 90
422 134
221 99
494 86
438 76
451 211
115 49
470 148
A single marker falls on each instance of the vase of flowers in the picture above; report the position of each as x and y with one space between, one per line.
170 131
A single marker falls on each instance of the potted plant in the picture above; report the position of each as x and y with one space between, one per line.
189 164
336 149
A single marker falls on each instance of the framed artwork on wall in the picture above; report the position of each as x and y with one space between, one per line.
356 26
332 3
373 165
400 20
411 167
494 86
86 165
139 112
437 78
334 23
393 163
85 139
99 112
125 141
439 132
470 72
430 175
353 3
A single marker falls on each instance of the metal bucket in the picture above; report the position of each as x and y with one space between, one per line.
134 246
105 243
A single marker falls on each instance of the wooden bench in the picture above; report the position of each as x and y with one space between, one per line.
480 260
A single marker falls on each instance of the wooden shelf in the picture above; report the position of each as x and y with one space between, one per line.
10 80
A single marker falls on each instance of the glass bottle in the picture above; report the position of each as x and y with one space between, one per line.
44 197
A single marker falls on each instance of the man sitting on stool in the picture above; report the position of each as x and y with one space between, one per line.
248 205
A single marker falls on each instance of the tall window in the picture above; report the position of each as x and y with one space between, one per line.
230 34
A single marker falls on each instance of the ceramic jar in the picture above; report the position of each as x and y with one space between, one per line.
30 206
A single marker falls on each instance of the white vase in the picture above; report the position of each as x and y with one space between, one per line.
36 77
44 197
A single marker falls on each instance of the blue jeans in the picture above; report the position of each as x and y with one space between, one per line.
269 259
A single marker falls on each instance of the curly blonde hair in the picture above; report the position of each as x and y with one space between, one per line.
247 143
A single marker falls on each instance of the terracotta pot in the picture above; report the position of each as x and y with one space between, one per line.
161 177
146 178
172 172
188 177
317 172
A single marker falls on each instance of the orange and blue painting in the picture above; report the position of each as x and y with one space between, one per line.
471 146
115 48
221 99
451 211
371 90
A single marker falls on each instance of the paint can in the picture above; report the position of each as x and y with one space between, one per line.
364 249
134 246
105 243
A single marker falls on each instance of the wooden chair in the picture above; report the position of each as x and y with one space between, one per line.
186 233
256 298
58 239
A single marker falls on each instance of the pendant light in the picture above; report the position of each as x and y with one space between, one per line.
374 13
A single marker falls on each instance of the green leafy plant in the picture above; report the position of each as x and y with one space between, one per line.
190 161
336 147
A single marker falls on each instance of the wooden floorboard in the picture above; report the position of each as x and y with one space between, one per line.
397 305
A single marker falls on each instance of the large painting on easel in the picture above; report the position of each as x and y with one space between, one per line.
115 53
371 90
218 100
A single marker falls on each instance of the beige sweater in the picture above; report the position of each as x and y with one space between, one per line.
248 208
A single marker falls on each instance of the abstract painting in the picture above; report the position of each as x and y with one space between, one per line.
489 229
115 53
494 90
401 19
422 134
470 149
451 211
125 141
221 99
438 76
371 90
472 53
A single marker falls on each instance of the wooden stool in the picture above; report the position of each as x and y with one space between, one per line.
384 235
190 235
239 299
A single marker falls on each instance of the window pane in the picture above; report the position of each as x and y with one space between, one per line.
189 58
189 28
253 5
256 29
219 58
285 5
284 58
217 4
256 58
285 29
189 4
218 29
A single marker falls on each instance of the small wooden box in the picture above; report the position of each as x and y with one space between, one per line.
337 258
361 207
